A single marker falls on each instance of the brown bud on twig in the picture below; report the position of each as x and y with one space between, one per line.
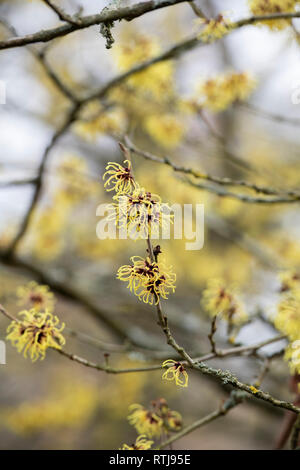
156 251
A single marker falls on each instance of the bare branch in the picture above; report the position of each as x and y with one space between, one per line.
212 334
105 368
197 10
23 182
41 58
124 13
128 14
235 399
243 197
265 114
39 181
283 196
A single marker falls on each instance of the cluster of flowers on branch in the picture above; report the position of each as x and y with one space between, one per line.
38 329
37 332
156 422
221 300
265 7
287 319
148 280
214 28
140 214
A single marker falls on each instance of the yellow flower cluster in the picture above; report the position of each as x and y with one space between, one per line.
96 120
287 319
149 281
145 421
74 187
119 178
75 183
217 94
166 129
141 443
47 240
175 371
37 332
290 281
140 213
265 7
147 96
156 79
218 299
36 296
159 420
214 28
136 211
292 356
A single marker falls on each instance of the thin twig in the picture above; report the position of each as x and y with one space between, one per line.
39 181
21 182
212 334
40 56
226 377
197 10
235 399
282 195
295 433
127 13
267 115
62 14
221 192
106 368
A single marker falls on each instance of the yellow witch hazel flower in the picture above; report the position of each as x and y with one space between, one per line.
140 213
165 129
47 241
153 423
217 94
75 183
141 443
290 281
150 281
95 120
119 178
287 319
36 333
145 421
265 7
292 356
36 296
221 300
214 28
47 245
172 420
175 371
158 78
